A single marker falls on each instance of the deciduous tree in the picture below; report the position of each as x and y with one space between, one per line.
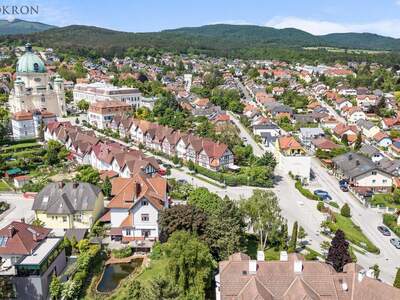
264 214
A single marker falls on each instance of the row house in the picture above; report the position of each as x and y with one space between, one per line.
86 148
189 147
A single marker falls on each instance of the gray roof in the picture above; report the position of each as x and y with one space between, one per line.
266 126
390 166
312 131
354 164
282 109
369 150
68 198
365 124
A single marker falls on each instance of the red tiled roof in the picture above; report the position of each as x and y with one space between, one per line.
22 238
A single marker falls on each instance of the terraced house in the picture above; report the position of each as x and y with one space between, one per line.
203 151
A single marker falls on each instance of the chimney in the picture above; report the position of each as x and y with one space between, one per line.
11 231
252 267
283 256
350 156
298 266
138 189
23 220
260 256
61 184
75 184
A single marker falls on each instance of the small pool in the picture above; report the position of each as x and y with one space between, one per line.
114 273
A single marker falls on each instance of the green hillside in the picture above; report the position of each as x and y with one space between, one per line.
21 27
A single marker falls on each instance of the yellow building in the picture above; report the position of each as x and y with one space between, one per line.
69 205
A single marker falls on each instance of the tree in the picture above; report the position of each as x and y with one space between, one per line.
225 232
268 159
135 290
376 270
55 152
338 254
83 105
301 234
38 222
161 288
205 200
87 173
358 142
345 140
107 187
396 282
55 288
325 245
182 217
189 263
263 212
83 245
67 246
345 211
293 238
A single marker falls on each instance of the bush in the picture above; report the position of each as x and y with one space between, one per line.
391 222
345 211
320 205
123 252
334 204
305 192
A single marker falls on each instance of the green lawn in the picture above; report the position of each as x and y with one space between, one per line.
353 233
21 146
272 254
384 200
4 187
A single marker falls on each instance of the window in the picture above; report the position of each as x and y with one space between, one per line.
127 231
64 219
146 233
145 203
373 172
384 180
145 217
373 180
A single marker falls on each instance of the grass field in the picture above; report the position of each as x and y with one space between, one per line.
4 187
353 233
384 200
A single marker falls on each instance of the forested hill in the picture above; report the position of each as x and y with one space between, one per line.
221 39
18 26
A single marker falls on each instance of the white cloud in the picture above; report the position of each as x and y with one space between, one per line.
319 27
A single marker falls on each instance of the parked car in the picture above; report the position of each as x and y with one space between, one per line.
323 195
168 166
159 161
384 230
395 242
344 185
182 181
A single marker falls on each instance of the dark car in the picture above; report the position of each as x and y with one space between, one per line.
323 195
384 230
395 242
182 181
168 166
159 161
344 185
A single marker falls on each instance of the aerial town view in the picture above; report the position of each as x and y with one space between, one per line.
227 150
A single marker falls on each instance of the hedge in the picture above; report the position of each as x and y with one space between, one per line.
233 179
305 192
391 222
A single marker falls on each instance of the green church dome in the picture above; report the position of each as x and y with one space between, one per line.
30 62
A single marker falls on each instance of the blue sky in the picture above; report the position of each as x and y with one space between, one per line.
315 16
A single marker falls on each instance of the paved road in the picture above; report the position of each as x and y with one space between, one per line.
332 111
257 149
368 219
20 208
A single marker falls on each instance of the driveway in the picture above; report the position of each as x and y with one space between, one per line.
20 207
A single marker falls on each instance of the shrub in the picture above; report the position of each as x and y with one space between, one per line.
391 222
320 205
123 252
305 192
334 204
345 211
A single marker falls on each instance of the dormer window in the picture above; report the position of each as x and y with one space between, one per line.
145 203
36 67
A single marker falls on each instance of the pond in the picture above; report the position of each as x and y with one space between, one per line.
114 273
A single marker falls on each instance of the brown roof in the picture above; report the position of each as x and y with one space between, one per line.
288 142
273 280
324 144
128 191
22 238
